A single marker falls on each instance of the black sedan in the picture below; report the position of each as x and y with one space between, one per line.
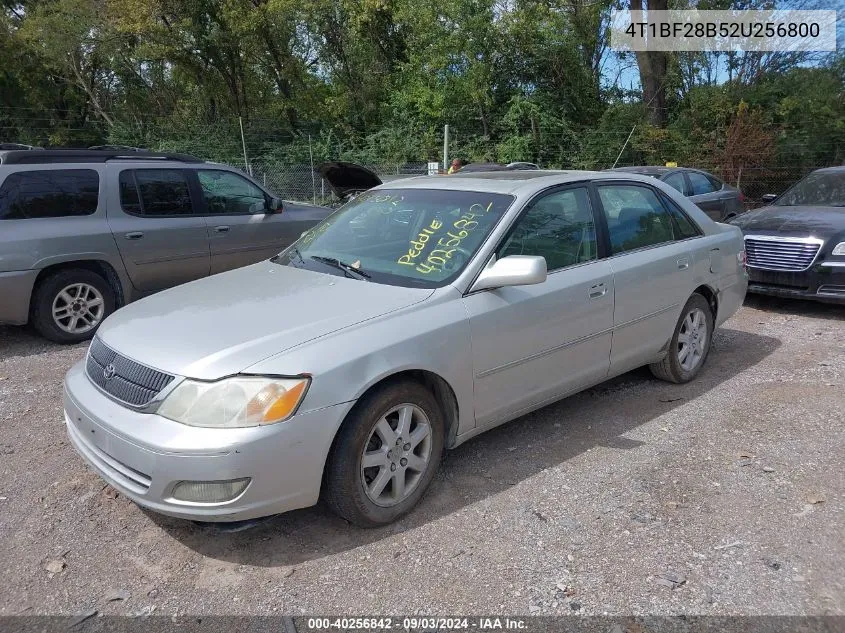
796 246
719 200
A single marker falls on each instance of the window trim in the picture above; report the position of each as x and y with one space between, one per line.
187 173
204 206
100 184
658 194
543 194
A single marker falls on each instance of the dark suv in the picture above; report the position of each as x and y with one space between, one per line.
82 232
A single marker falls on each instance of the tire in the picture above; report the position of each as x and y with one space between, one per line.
88 297
677 366
348 481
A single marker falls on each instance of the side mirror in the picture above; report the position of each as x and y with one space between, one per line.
275 205
769 197
513 270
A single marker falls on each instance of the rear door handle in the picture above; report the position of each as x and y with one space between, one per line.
599 290
683 263
221 229
135 235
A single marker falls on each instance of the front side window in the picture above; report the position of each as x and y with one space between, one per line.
559 227
49 193
635 217
155 192
676 181
700 183
226 193
405 237
822 189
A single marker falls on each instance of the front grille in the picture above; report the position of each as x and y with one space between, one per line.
781 253
129 382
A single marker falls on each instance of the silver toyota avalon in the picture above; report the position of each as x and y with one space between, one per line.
422 313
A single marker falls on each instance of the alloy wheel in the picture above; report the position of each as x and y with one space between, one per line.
78 308
692 339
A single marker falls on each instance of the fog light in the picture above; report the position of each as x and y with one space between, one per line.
209 491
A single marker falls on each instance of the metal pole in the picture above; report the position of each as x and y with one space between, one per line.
313 182
243 143
446 147
624 146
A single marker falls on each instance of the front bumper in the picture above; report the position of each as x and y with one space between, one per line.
144 455
824 282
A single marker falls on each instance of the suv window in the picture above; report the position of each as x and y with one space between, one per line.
226 193
559 227
676 181
635 217
52 193
700 183
155 192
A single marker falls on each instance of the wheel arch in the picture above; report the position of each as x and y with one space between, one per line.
98 266
712 298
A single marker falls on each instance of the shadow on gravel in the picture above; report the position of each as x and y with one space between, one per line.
796 307
490 463
19 341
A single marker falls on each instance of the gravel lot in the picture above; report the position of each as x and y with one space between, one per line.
723 496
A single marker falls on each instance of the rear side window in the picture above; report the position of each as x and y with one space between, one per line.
52 193
676 181
155 192
684 227
635 217
700 183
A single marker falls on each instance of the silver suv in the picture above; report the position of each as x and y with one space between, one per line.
83 232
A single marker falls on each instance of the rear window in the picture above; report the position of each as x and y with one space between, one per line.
49 193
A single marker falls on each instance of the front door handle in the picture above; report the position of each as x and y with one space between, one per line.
135 235
683 263
599 290
221 229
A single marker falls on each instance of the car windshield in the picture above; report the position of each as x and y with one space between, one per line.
821 189
404 237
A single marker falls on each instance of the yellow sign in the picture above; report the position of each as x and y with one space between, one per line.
671 163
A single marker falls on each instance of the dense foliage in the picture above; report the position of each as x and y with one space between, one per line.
376 80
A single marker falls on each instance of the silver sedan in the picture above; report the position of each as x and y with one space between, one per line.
422 313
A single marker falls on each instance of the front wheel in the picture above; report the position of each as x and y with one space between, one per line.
385 455
690 343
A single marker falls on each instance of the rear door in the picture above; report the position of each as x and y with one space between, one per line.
241 227
532 344
705 193
157 223
652 270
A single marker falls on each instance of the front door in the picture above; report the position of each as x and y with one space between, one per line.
159 229
652 271
534 344
242 229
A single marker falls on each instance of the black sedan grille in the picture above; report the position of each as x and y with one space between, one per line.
784 254
123 378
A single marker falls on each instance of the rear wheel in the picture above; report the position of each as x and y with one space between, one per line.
385 455
690 343
70 305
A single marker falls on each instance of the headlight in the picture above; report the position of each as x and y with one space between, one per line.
839 249
234 402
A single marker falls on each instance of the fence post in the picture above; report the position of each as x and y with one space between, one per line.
243 143
446 147
313 183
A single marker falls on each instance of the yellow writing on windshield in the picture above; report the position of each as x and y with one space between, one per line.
418 245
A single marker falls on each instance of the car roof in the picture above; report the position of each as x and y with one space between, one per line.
832 170
648 170
57 156
506 182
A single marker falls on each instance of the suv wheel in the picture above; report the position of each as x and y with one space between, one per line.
69 305
690 343
385 455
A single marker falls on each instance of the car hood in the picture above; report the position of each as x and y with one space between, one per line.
802 221
222 324
346 178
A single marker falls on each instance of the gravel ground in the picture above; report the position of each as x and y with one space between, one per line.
723 496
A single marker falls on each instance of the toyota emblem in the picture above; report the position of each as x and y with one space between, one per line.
108 372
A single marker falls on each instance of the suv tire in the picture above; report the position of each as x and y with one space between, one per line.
68 306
